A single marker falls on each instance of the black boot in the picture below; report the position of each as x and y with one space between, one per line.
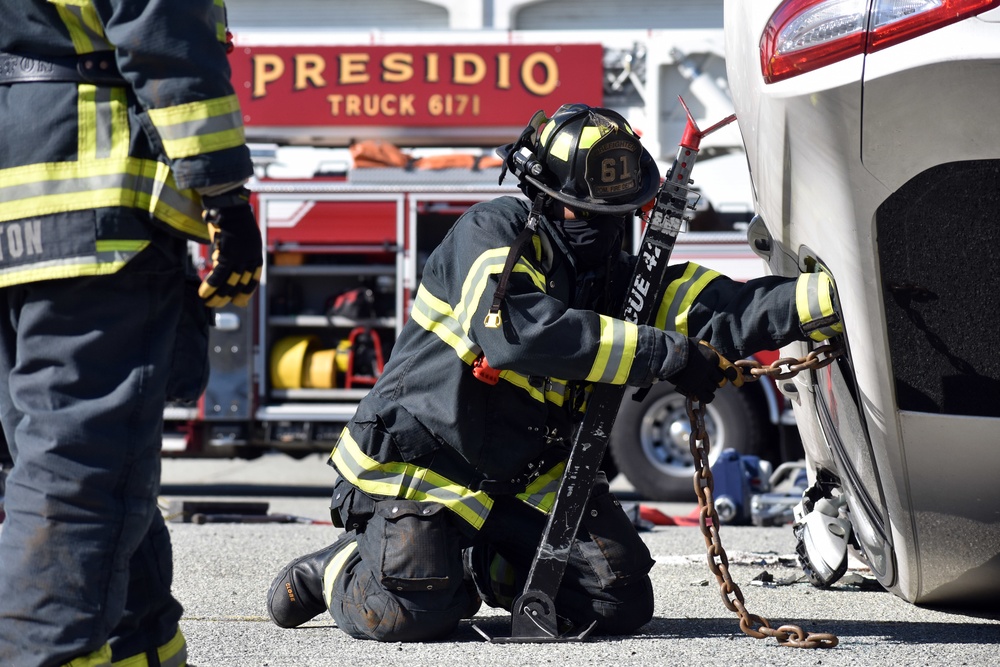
296 594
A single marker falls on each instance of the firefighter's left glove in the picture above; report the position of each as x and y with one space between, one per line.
705 371
237 250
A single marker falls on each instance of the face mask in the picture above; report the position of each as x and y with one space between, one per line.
593 240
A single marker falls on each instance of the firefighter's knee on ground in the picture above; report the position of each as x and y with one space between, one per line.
613 564
409 585
630 609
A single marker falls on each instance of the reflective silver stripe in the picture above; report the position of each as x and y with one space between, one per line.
201 126
84 26
681 293
109 258
616 352
436 316
490 263
541 493
47 188
102 129
814 302
173 653
407 481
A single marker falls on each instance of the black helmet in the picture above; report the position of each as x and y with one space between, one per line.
585 157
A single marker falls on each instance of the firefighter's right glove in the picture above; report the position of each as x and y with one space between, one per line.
237 250
705 371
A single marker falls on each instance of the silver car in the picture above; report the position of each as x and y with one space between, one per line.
874 149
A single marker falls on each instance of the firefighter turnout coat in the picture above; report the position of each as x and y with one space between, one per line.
439 426
112 113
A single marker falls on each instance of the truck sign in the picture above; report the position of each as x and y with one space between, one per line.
418 86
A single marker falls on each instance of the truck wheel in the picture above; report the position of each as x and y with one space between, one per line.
649 442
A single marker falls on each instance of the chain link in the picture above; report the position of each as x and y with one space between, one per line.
787 367
708 518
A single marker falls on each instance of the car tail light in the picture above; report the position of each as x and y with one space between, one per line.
804 35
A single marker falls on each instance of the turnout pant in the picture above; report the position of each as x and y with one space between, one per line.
85 557
408 575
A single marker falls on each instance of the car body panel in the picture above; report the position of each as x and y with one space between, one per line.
828 151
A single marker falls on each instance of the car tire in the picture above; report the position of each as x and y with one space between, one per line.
649 443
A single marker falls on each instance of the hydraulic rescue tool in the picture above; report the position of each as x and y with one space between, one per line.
533 615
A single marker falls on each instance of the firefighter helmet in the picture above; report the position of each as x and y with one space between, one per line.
588 158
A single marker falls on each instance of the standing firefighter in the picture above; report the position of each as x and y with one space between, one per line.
451 462
121 136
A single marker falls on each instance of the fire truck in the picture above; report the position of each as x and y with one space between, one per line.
369 146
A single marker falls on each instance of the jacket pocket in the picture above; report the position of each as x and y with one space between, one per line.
414 545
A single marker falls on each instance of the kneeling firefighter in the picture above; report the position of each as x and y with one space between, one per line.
448 468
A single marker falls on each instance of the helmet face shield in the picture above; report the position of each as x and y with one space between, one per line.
588 158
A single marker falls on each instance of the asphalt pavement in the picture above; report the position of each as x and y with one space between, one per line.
223 570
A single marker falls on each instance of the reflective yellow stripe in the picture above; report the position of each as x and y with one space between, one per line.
616 351
102 122
199 127
407 481
563 145
58 187
83 24
680 294
333 569
487 264
220 20
86 119
171 654
99 658
436 316
118 116
110 257
541 493
523 382
813 302
555 391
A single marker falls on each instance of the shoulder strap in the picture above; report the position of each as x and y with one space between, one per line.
492 320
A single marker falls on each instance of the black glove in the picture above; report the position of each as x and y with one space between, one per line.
706 370
238 253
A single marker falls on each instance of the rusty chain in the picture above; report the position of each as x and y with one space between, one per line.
787 367
708 519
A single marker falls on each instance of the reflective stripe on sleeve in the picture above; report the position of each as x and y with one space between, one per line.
681 293
199 127
407 481
616 352
814 303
